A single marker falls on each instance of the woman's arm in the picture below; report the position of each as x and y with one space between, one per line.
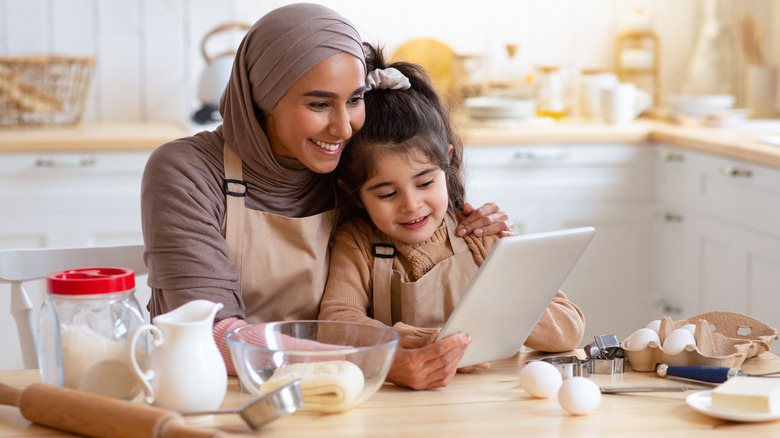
560 329
484 221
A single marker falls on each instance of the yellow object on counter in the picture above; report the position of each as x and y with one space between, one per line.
759 395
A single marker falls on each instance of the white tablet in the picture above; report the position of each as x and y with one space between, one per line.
511 291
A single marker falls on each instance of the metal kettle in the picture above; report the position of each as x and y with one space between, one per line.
215 76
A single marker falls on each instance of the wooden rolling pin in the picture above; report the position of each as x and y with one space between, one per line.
95 415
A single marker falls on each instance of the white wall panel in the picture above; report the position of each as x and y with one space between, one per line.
120 61
164 63
27 27
149 60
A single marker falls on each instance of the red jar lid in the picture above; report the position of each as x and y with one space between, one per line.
90 281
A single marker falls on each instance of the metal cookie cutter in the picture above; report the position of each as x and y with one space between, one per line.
605 356
568 366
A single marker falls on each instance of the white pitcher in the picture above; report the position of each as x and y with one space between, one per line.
185 371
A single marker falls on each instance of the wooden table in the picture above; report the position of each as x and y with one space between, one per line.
486 403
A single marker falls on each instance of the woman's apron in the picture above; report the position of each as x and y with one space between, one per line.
430 300
282 261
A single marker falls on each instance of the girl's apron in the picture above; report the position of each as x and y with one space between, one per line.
430 300
282 261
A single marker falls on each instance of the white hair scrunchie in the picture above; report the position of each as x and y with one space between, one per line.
387 79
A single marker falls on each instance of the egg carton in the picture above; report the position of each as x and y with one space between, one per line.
722 339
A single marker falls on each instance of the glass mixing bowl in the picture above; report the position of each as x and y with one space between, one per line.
340 364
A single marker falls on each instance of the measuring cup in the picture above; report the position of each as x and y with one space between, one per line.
274 405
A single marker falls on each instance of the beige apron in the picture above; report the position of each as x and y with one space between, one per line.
430 300
282 261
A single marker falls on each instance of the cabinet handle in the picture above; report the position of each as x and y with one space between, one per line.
672 157
673 217
542 155
65 162
735 172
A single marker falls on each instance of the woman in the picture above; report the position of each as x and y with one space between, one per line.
243 215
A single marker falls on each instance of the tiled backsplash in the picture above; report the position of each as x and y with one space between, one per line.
149 58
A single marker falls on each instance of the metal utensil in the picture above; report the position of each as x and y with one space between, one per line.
628 389
269 407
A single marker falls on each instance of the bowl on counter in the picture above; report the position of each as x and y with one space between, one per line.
340 364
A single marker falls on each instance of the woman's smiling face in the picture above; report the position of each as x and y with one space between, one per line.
316 117
406 197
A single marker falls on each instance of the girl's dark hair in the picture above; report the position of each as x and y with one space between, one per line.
404 121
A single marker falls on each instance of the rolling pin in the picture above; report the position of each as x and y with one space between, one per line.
95 415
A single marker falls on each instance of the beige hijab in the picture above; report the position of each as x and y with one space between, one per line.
279 49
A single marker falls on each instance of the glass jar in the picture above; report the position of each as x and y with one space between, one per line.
82 328
552 98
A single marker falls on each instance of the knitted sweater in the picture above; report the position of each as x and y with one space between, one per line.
348 293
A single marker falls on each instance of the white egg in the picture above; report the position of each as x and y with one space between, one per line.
540 379
640 338
676 341
654 325
579 395
690 327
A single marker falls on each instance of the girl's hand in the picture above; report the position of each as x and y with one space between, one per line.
482 366
421 363
485 221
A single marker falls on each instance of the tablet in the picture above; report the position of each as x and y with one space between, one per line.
512 289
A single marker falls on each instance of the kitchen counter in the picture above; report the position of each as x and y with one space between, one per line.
740 142
484 403
91 137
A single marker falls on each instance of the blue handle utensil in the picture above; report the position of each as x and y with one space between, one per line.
704 373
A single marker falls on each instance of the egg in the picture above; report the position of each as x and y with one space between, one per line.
677 340
540 379
640 338
654 325
690 327
579 396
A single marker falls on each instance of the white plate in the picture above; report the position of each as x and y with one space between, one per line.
488 107
702 402
774 140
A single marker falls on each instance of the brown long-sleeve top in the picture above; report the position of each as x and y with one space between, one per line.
348 293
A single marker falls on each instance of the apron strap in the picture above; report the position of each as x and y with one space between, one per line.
384 253
235 192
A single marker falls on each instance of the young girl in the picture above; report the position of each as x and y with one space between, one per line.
396 259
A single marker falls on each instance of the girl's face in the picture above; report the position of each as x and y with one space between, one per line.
407 196
319 113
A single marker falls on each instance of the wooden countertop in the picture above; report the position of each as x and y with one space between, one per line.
91 137
740 142
484 403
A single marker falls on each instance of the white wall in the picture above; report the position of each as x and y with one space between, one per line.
149 59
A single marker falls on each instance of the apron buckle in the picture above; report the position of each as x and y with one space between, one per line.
383 250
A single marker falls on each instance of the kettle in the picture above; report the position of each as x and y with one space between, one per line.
215 76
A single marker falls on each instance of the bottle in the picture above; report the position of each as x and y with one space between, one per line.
552 95
82 328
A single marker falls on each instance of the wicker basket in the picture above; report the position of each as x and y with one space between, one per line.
43 90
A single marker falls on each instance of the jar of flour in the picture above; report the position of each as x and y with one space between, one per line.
82 328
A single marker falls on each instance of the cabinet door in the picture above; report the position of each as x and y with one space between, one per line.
675 282
612 281
739 271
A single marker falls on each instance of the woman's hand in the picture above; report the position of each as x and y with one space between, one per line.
424 363
485 221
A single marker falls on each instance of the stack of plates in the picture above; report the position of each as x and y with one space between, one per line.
701 104
488 107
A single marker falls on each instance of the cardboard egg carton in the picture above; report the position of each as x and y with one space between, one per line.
722 339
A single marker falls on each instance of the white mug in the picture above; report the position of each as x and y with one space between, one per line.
623 102
590 92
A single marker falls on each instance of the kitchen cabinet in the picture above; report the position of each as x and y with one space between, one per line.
70 199
717 236
608 186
